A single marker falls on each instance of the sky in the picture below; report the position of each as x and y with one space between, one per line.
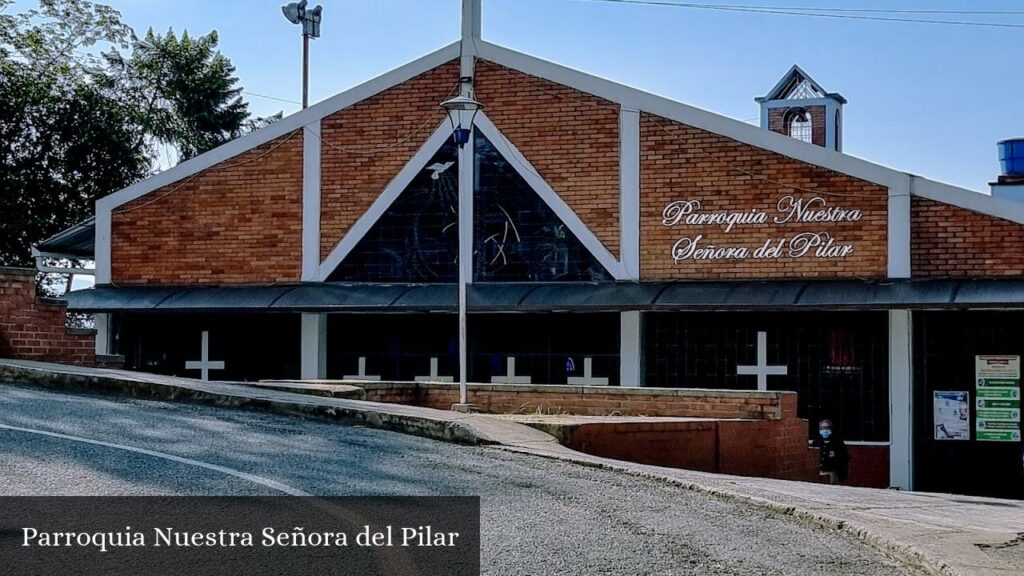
928 99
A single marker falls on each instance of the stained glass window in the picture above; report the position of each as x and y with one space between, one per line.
417 238
517 236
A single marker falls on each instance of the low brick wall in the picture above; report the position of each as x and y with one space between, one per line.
763 448
33 328
592 400
747 433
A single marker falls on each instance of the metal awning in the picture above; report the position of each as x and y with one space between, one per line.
566 296
77 241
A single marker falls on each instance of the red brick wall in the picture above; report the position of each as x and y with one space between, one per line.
235 223
681 163
556 399
366 145
777 122
952 241
571 139
767 449
32 328
746 433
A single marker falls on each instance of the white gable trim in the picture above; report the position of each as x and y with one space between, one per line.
387 197
284 126
311 200
550 197
635 99
975 201
521 165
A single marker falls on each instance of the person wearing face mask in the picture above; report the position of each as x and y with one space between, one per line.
834 459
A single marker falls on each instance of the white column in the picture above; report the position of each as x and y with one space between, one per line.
310 201
898 231
470 35
314 347
629 192
631 364
102 324
901 407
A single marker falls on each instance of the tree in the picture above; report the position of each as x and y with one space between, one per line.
184 90
63 143
79 120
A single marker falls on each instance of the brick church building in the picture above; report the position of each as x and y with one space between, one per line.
618 238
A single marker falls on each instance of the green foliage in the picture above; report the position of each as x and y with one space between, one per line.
63 143
184 90
79 120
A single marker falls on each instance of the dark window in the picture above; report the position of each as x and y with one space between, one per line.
252 346
417 238
400 346
518 237
837 363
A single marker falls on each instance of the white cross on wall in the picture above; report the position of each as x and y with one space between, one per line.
204 365
762 370
510 375
362 372
588 378
433 376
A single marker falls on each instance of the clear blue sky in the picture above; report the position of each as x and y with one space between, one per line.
927 99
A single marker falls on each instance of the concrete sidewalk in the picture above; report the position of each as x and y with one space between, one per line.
944 534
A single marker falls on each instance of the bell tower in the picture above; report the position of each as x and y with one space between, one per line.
799 107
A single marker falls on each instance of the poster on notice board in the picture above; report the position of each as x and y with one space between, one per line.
952 412
997 397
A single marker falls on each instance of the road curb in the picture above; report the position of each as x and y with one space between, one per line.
371 414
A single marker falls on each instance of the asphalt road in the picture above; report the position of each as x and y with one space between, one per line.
538 516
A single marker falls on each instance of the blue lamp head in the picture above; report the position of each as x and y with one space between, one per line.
462 110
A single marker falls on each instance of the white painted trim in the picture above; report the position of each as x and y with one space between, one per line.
631 373
550 197
384 200
634 98
975 201
629 192
311 201
470 35
901 409
102 324
282 127
898 230
313 364
867 443
102 243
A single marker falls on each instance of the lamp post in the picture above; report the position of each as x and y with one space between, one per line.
296 13
462 110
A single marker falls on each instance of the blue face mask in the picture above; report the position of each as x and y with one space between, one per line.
825 432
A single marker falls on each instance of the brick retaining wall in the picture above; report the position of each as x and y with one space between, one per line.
33 328
747 433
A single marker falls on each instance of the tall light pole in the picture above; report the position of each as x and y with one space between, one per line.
462 111
296 13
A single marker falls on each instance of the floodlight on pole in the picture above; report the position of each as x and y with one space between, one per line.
296 13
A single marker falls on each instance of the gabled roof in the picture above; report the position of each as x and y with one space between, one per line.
899 183
77 241
791 78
